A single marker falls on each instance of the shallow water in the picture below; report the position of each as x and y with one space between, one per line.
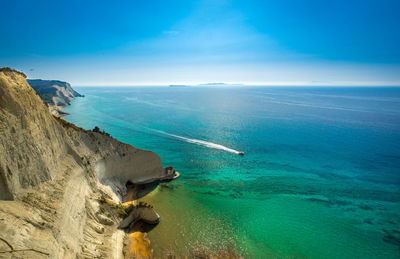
320 177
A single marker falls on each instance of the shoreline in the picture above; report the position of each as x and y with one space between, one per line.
68 181
213 193
138 243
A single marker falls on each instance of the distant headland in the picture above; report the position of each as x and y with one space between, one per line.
54 93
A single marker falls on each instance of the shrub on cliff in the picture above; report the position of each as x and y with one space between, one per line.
97 129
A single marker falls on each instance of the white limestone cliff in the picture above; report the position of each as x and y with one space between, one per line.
51 175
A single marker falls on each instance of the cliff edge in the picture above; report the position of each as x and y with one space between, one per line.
56 94
52 174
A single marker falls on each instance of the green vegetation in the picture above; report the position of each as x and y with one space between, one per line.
97 129
118 207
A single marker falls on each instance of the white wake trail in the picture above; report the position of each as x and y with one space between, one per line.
201 142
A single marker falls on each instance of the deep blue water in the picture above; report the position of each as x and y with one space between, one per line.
320 177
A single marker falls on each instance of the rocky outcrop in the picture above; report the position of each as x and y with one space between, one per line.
53 91
143 212
51 176
56 94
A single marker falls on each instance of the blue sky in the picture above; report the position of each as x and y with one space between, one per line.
295 42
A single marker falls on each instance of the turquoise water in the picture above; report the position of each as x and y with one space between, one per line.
320 177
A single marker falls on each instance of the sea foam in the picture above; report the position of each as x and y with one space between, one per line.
200 142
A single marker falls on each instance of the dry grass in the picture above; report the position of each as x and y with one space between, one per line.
7 69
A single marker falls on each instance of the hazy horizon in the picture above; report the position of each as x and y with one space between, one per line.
335 43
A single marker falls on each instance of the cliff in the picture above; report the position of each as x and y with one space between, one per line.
52 174
56 94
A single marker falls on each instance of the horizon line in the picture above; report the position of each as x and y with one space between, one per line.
271 84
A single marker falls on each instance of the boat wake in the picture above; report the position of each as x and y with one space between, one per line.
201 143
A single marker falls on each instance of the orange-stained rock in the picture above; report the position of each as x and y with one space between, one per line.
139 246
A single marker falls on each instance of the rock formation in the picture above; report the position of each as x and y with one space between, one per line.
52 174
138 212
56 94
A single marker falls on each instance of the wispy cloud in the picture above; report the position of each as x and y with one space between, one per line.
171 32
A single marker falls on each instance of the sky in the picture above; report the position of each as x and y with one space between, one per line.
136 42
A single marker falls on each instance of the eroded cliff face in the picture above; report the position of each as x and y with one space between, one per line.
51 175
56 94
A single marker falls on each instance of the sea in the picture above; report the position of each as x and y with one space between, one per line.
319 178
